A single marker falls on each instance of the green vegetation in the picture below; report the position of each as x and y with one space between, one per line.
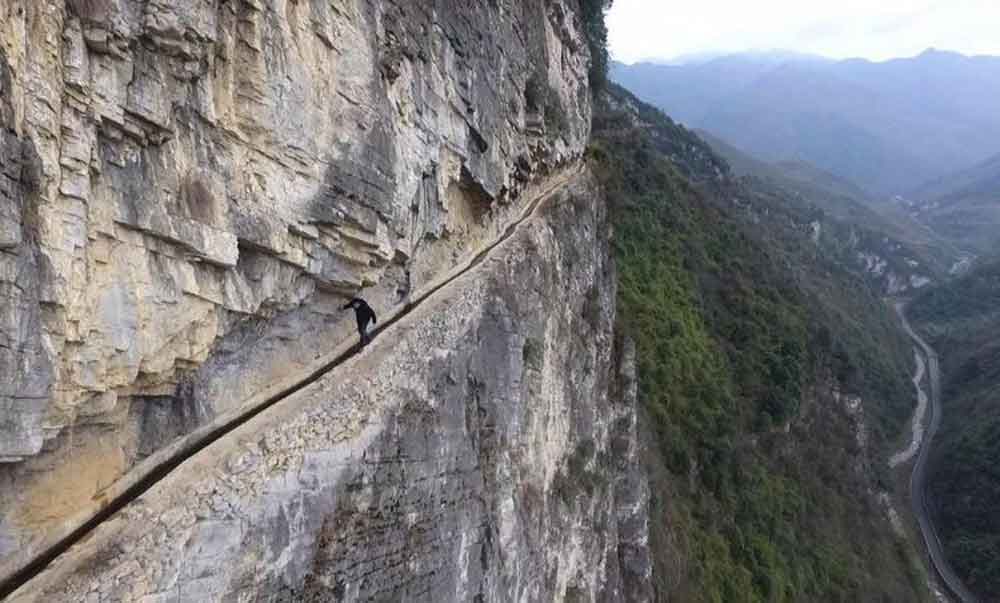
597 40
743 328
961 320
965 206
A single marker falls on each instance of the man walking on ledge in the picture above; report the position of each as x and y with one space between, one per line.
363 313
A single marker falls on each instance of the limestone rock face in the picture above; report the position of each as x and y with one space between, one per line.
26 366
483 448
190 188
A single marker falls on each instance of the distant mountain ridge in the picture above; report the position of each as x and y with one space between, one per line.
887 126
704 57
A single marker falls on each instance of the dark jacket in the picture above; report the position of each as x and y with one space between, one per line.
362 311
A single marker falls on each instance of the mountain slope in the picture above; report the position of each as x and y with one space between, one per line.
978 181
894 249
769 389
964 206
877 124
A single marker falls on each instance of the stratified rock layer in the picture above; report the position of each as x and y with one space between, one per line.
481 448
189 188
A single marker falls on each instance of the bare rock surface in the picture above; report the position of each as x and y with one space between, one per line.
190 188
482 448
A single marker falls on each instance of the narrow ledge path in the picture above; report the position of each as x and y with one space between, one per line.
159 465
918 478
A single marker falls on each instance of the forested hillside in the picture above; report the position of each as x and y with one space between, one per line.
890 243
964 206
753 342
962 320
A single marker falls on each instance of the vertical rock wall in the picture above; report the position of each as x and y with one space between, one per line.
190 188
483 449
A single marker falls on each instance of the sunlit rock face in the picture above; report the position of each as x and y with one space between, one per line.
190 188
481 449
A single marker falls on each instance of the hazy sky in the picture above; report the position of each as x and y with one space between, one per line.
874 29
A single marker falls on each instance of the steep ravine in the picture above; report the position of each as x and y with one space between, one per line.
198 185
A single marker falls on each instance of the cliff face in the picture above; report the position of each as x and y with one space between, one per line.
482 448
189 190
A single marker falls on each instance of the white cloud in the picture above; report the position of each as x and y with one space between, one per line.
643 29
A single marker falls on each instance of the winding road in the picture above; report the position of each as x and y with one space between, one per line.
918 478
918 423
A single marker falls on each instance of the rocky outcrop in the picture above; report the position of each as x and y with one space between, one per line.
190 188
26 365
483 448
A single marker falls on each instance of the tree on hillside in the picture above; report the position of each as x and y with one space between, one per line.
597 38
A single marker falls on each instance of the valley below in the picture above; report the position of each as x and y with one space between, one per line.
915 220
924 429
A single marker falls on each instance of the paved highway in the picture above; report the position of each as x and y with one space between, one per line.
918 483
